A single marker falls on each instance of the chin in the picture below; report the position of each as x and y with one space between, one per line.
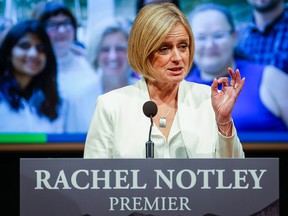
112 72
177 79
33 73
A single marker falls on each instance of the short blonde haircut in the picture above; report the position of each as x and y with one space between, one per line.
151 26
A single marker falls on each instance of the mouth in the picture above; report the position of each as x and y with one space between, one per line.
32 63
113 65
176 70
62 38
212 53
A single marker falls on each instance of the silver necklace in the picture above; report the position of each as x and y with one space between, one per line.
162 120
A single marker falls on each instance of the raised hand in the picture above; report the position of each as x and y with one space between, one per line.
223 100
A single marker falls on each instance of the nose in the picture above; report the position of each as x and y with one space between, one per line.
61 28
32 51
176 56
209 42
112 53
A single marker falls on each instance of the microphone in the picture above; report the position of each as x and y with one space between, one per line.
150 110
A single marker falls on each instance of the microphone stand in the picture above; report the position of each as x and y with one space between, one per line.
149 143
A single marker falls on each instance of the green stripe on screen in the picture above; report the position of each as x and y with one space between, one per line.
23 138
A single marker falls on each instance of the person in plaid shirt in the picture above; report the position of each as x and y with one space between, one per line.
265 39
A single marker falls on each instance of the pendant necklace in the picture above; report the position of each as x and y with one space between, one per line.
162 121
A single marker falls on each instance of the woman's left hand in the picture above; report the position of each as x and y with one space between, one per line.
223 101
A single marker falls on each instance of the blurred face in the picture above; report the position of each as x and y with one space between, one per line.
214 42
61 33
171 60
113 55
28 58
264 5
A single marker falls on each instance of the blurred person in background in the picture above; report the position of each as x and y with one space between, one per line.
52 8
29 99
5 25
78 82
108 53
262 104
265 38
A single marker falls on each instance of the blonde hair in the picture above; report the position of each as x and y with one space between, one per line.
151 26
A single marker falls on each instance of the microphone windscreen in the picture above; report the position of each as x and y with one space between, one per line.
150 108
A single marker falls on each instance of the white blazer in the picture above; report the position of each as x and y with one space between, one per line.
119 128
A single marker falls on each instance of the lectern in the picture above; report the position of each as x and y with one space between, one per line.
160 187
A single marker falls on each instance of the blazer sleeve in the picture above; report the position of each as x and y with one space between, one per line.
229 147
99 137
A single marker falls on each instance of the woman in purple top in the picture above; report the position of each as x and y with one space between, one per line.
262 104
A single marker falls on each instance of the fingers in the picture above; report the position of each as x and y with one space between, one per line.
242 81
233 76
223 81
236 80
214 86
232 73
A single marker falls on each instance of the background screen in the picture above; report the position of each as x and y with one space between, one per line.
90 14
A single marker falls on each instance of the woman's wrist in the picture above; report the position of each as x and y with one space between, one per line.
225 127
223 123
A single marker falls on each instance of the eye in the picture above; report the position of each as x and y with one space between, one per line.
121 48
164 50
24 45
104 49
200 37
41 48
183 47
51 25
66 23
219 36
